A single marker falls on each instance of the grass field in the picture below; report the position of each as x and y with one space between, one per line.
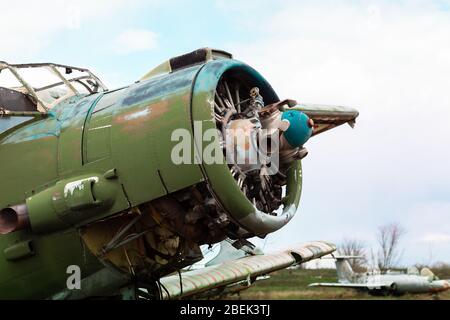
293 285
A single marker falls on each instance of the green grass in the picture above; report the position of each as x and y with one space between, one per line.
293 285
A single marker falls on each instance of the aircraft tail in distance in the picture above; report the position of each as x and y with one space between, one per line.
344 270
425 272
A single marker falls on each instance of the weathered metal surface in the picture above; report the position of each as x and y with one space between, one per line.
198 281
225 189
327 117
96 158
14 218
200 56
147 115
44 273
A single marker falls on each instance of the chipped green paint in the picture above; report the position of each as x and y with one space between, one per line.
128 132
90 135
83 136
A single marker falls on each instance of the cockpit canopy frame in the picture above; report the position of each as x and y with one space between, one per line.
89 82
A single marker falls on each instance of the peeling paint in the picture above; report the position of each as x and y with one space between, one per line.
137 115
71 187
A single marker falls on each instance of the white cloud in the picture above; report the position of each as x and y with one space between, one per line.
28 27
436 238
133 40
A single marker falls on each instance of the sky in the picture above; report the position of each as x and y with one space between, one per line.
388 59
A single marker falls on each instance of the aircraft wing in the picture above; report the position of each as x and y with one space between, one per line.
241 270
368 286
326 117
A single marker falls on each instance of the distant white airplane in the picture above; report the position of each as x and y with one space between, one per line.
383 284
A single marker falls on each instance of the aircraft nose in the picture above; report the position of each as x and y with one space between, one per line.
447 285
442 285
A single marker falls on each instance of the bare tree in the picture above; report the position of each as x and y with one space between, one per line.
389 252
354 247
373 261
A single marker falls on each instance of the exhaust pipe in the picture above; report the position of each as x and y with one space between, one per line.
14 218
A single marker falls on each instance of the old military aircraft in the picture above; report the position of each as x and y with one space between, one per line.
99 199
384 284
224 253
